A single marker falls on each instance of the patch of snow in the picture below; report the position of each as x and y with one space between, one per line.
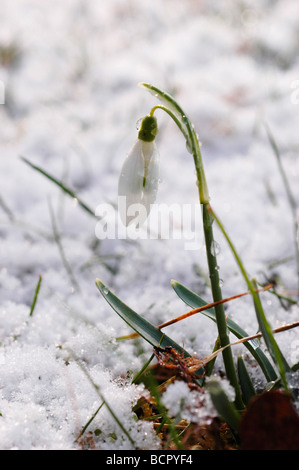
71 107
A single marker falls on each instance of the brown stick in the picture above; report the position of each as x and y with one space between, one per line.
200 362
197 310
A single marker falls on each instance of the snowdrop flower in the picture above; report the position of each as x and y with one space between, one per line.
139 177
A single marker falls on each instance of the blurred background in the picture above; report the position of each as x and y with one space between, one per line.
70 73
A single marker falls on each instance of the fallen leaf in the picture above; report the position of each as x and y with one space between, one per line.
270 422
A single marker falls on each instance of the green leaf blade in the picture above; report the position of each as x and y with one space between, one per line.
193 300
62 186
248 390
223 405
144 328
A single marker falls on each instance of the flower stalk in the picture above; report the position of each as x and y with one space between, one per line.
171 107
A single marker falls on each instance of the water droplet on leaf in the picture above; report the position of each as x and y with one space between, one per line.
188 146
215 248
138 123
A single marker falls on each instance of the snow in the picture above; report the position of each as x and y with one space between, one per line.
71 107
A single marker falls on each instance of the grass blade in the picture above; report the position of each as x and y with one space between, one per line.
152 386
210 364
262 320
290 196
248 390
194 312
267 333
64 188
193 300
142 370
61 250
225 408
90 421
6 209
145 329
104 401
35 296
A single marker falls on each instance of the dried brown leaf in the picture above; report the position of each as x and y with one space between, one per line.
270 422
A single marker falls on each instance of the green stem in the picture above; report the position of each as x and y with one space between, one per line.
262 320
186 127
172 115
219 309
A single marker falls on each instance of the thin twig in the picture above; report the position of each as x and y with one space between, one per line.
197 310
199 362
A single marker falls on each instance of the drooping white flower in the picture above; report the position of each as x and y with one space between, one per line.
139 177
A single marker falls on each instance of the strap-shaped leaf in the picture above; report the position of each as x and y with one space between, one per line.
143 327
223 405
248 390
193 300
60 185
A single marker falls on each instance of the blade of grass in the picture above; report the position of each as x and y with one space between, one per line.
7 210
262 328
35 296
280 296
64 188
61 250
196 362
194 300
209 367
142 370
195 311
223 405
248 390
290 196
97 389
262 320
89 421
144 367
19 223
152 386
144 328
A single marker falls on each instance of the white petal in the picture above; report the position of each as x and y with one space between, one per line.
138 181
151 157
130 180
131 175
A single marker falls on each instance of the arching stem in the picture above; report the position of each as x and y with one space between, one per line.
184 124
